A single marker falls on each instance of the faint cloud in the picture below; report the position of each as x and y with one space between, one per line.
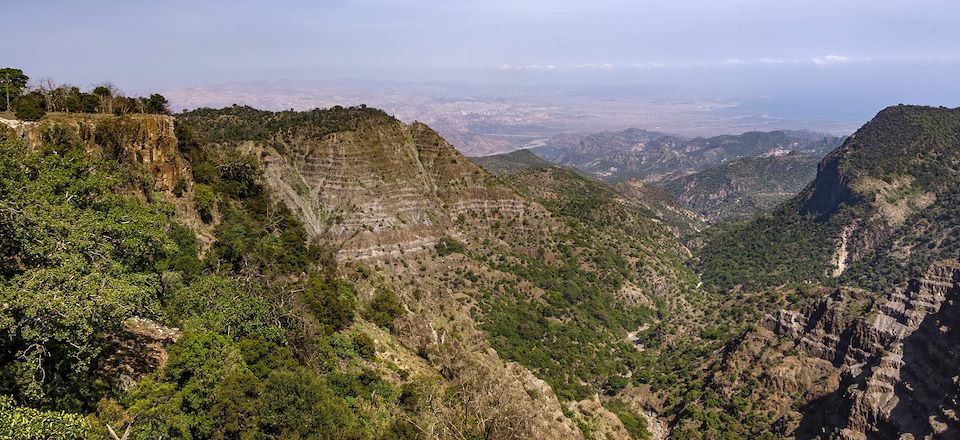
602 66
830 60
777 61
527 67
823 61
654 65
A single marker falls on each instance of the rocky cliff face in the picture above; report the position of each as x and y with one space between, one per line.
857 364
831 188
148 141
899 371
384 189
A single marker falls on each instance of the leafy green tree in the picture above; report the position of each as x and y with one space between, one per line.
12 83
365 346
297 404
157 104
331 301
79 102
203 200
77 258
218 304
383 309
30 107
185 259
105 93
22 423
175 401
446 246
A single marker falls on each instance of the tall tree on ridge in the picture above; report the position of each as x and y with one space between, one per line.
106 92
12 82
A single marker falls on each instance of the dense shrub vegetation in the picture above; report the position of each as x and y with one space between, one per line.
575 335
77 259
770 250
242 123
22 423
81 254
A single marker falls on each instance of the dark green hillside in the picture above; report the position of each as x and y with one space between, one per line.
915 140
243 123
927 152
511 163
890 186
772 249
580 328
744 187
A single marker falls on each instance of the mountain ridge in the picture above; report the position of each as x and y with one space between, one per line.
410 290
657 157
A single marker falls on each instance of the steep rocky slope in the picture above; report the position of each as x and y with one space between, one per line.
368 184
526 268
857 364
881 203
863 266
744 187
657 157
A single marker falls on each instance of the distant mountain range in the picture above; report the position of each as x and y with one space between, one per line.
657 157
489 119
720 178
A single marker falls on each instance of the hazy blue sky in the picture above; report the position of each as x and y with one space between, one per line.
879 50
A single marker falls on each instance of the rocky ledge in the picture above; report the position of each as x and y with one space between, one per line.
898 355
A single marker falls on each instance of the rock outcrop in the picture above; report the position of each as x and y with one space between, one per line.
830 189
146 140
891 361
138 350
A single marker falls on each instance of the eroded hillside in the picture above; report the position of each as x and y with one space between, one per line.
340 273
478 264
866 261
